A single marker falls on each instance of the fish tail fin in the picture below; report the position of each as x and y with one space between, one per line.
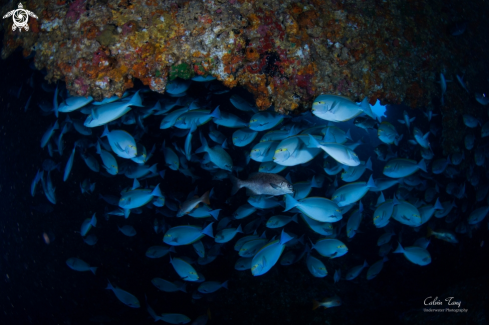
290 202
216 113
365 264
109 286
92 187
157 191
93 269
368 164
99 149
237 184
215 213
315 183
56 125
313 143
135 184
399 249
284 237
106 131
429 232
204 146
315 305
294 218
225 284
172 249
94 221
240 230
127 212
367 109
162 173
208 230
422 165
438 205
153 169
398 139
205 198
136 100
183 287
371 183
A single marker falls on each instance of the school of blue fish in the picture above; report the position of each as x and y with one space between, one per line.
208 140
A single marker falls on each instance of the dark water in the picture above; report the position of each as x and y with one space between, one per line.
37 287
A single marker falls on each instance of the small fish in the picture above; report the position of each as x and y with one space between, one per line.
216 155
355 271
384 152
482 99
263 184
366 123
125 297
268 256
79 265
478 215
337 275
184 269
445 235
375 268
316 267
69 165
330 247
340 153
90 240
121 142
212 286
87 225
168 286
470 121
400 167
462 83
103 114
225 235
407 121
317 208
339 109
48 134
262 121
86 186
327 303
414 254
191 203
127 230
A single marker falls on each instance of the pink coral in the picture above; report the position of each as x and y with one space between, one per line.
80 86
76 9
342 86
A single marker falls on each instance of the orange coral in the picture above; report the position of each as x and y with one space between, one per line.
307 19
252 54
33 25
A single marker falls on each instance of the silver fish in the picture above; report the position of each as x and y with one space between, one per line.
263 184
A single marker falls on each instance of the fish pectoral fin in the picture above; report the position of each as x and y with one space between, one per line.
118 146
274 186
